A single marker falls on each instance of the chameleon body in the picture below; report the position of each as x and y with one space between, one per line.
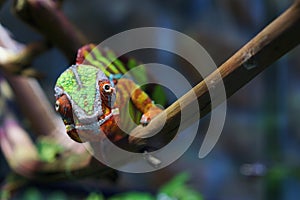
92 98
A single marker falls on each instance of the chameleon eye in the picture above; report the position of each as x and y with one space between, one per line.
107 87
57 105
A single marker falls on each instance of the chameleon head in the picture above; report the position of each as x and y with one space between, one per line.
84 99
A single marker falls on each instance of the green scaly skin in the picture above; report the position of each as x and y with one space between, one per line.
83 95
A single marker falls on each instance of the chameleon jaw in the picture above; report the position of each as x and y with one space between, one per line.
95 126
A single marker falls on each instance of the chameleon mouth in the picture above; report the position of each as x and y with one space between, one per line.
95 126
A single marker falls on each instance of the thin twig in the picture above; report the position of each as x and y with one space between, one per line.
269 45
46 18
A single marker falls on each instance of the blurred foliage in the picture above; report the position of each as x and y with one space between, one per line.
95 196
4 194
133 196
48 150
178 189
33 193
175 189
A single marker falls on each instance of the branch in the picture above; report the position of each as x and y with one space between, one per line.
27 90
45 17
269 45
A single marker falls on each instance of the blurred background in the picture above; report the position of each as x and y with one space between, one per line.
257 155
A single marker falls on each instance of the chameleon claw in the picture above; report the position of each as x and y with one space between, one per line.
145 120
149 115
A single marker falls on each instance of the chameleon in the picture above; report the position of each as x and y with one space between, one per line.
91 97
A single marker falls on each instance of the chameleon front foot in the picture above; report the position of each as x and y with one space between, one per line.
150 114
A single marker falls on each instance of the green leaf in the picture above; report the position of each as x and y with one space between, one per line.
179 190
48 150
4 194
95 196
158 95
32 194
133 196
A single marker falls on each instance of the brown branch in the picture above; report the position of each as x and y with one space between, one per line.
28 54
27 91
18 63
45 16
269 45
